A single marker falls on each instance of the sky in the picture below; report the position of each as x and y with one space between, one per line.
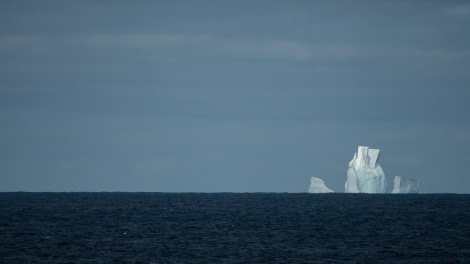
231 96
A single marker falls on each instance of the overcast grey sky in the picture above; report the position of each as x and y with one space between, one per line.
238 96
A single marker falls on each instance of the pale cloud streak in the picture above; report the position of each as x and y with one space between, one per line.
254 48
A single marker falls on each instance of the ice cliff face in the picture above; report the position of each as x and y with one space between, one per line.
365 175
405 185
318 186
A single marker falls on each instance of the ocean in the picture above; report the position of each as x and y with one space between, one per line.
125 227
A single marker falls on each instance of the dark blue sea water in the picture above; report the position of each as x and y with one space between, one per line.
233 228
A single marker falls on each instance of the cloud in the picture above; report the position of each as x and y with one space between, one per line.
460 10
221 47
25 44
132 41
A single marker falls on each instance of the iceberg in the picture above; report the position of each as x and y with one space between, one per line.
317 185
364 174
405 185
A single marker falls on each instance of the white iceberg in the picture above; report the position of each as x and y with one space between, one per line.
365 175
405 185
317 185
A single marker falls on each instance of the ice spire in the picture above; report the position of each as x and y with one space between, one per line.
364 174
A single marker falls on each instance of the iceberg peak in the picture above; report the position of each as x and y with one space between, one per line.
317 185
405 185
365 175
